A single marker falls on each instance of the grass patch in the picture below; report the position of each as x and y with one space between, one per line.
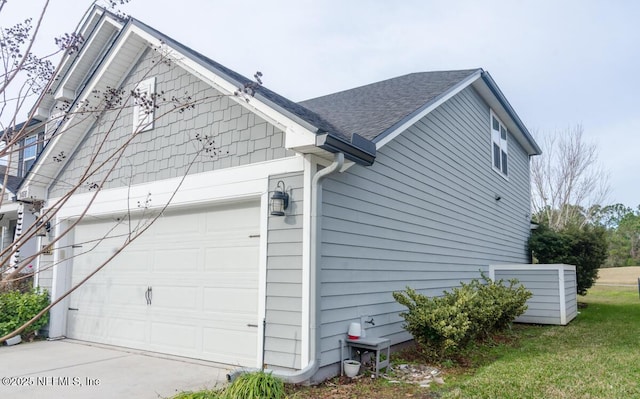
619 275
596 356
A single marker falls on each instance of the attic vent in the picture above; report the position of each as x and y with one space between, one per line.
144 105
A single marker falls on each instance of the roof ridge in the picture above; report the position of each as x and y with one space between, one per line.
471 70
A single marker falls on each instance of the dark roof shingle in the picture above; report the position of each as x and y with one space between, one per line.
371 110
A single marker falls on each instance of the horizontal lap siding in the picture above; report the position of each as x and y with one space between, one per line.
424 215
284 279
544 306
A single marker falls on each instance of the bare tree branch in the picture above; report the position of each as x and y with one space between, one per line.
567 181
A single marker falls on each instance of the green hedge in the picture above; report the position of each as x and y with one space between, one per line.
17 308
442 326
585 248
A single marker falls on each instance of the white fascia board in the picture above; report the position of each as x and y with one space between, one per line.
441 100
71 135
67 93
224 185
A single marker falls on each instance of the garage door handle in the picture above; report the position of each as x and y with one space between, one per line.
252 325
73 308
148 295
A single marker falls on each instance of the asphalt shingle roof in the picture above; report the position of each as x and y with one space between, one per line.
371 110
13 182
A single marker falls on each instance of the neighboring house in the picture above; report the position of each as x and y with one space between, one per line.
16 216
420 180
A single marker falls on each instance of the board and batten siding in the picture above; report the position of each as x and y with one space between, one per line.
424 215
166 150
283 333
554 290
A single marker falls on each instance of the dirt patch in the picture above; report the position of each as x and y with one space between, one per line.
363 386
619 275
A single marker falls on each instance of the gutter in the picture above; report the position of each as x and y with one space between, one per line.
359 150
305 374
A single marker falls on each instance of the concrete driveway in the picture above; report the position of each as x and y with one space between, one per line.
74 369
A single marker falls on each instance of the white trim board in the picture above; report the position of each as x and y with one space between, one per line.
218 185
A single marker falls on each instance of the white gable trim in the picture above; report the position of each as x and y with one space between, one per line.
438 102
105 27
74 128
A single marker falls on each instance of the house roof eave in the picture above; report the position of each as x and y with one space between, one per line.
526 138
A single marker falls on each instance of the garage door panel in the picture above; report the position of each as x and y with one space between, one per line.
216 341
234 220
90 293
177 259
131 331
136 261
202 266
126 294
174 335
92 327
245 301
240 258
172 297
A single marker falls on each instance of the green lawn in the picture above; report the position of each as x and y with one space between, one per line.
596 356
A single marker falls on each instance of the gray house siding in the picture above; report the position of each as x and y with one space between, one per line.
423 215
284 279
544 306
554 299
165 151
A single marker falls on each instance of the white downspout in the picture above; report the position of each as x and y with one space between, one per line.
299 376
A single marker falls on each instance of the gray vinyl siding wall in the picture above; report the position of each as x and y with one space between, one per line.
544 306
546 285
424 215
284 279
166 150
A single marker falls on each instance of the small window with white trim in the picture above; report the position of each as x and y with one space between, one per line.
144 105
29 152
499 151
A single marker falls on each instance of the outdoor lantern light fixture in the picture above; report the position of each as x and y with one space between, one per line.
279 200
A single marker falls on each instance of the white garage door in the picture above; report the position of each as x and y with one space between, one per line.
188 286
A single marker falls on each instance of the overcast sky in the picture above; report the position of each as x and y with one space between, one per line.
559 63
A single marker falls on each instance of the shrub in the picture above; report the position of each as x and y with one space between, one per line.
258 385
208 394
585 248
437 324
17 308
444 325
